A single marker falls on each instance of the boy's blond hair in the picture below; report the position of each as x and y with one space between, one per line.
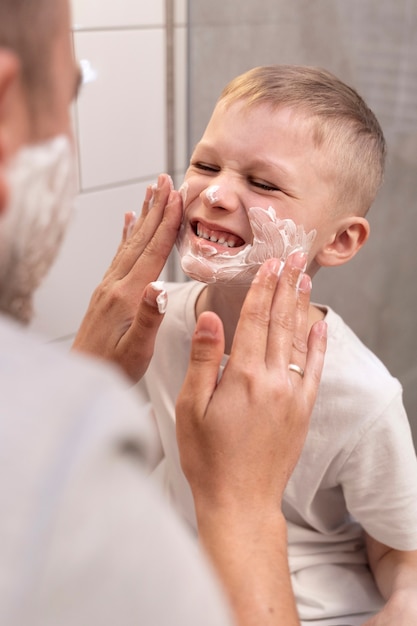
342 124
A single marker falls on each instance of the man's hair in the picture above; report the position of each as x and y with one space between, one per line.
342 123
28 28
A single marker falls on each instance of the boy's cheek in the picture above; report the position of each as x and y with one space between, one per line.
190 192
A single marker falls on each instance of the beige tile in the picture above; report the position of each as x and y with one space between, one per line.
121 115
106 13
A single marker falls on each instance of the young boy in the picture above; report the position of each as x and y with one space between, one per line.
291 159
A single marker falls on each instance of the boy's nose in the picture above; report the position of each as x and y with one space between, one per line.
221 195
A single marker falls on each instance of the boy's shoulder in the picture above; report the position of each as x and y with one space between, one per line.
348 359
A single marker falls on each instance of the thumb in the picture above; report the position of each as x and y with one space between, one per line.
207 350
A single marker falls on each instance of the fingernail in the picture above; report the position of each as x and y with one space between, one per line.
130 218
153 189
298 259
206 327
304 283
275 266
162 298
171 196
161 179
322 328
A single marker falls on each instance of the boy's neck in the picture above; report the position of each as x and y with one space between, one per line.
227 300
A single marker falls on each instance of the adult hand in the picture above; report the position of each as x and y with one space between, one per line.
249 428
241 437
126 311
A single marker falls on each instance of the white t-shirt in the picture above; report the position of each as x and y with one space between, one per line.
357 470
85 537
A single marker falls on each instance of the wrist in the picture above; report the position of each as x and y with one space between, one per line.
249 553
244 521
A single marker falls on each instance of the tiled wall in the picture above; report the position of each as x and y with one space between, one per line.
120 122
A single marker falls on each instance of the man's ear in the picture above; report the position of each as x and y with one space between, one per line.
345 243
9 70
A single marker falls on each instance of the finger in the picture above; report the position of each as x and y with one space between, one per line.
299 344
317 344
148 200
207 350
285 313
138 342
141 232
158 249
156 296
148 248
130 220
251 336
155 200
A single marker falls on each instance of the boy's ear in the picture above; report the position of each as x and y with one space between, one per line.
346 242
9 69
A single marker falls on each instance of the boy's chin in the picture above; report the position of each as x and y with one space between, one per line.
209 272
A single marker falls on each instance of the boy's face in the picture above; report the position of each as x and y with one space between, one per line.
255 157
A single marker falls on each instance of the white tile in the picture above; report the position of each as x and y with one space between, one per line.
121 115
107 13
180 11
87 250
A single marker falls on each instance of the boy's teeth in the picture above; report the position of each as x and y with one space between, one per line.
222 239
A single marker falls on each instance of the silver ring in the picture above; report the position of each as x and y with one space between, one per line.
296 368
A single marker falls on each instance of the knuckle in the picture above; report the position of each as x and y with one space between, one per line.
138 239
248 376
146 319
300 344
113 294
259 317
285 320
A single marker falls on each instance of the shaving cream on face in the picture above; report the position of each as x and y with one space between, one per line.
211 194
42 183
272 238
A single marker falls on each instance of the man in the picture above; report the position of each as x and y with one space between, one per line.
85 538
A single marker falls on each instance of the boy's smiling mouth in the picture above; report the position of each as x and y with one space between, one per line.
219 237
211 254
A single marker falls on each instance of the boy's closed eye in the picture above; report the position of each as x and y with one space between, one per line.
264 185
214 169
205 167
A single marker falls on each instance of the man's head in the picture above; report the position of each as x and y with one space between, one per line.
34 32
38 81
291 157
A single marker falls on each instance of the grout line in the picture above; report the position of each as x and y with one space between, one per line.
89 29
